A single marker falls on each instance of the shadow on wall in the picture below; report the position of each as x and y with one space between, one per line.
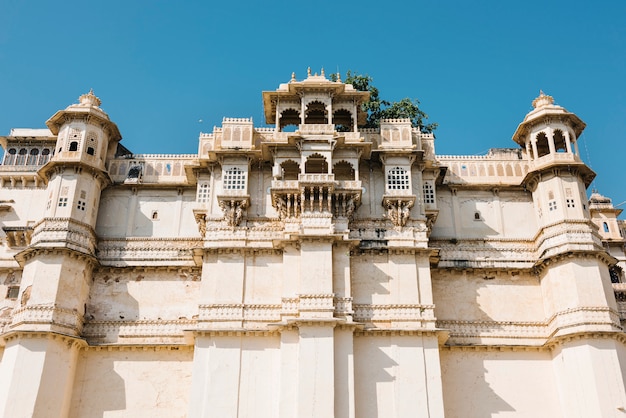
374 381
98 388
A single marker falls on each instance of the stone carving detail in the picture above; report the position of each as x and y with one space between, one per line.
234 210
64 232
398 209
397 313
240 312
48 316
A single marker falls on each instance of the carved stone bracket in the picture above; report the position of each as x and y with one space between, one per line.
398 208
200 217
234 208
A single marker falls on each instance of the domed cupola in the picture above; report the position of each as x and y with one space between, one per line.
85 133
549 136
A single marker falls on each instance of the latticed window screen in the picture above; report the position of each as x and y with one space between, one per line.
429 193
397 179
234 179
203 192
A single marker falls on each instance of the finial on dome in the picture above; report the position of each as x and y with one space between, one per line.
543 100
338 76
323 72
293 76
308 72
89 99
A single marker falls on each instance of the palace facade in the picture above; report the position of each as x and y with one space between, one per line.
310 269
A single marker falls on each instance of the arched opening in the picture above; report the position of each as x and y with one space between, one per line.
32 157
289 120
73 146
343 170
342 119
559 141
605 226
45 156
9 159
91 151
290 170
316 113
316 164
542 144
21 157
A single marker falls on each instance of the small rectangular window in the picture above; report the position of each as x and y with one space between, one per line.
63 202
13 292
570 203
81 205
552 205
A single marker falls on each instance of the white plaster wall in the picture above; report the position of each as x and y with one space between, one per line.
135 383
465 296
137 295
122 214
236 376
262 283
479 384
395 376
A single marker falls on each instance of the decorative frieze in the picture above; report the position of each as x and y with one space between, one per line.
48 318
422 315
64 232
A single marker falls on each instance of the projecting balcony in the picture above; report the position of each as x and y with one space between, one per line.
559 157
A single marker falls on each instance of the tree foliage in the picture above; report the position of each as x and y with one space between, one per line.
378 108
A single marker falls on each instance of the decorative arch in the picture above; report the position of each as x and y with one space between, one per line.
33 156
559 141
289 118
343 170
316 164
342 118
542 144
316 113
290 170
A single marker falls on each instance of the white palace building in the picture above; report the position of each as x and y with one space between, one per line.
313 269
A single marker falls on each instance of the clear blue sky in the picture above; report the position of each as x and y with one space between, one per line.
161 67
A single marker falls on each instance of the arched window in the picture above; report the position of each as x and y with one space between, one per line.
316 164
343 171
316 113
343 120
542 144
9 158
32 157
234 179
397 179
605 226
73 146
559 141
290 170
291 118
45 156
429 193
21 157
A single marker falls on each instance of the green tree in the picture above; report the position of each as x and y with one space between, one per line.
378 108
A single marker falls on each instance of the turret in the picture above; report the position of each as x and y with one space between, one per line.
557 176
86 138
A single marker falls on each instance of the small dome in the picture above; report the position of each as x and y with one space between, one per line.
598 198
89 99
543 100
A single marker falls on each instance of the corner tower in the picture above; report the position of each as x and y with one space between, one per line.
572 266
45 334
